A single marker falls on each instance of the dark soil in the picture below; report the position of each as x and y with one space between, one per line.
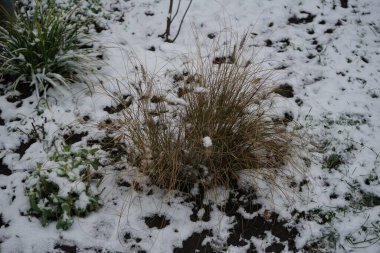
288 117
110 145
127 237
24 147
149 13
344 3
295 20
339 23
211 36
364 59
4 170
319 48
157 99
205 217
223 60
157 221
194 244
281 67
25 91
245 229
2 122
73 249
114 109
285 42
66 248
2 222
99 250
99 28
127 101
15 119
238 199
285 90
13 98
123 183
74 137
276 247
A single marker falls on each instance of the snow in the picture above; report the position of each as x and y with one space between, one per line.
200 90
83 201
207 142
339 91
175 100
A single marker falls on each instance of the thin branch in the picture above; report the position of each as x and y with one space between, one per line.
180 25
176 12
169 21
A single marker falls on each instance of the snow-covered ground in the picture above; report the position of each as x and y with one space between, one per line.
327 51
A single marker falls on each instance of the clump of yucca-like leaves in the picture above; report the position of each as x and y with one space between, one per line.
220 126
45 48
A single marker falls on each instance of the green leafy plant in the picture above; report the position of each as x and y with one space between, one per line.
63 187
46 48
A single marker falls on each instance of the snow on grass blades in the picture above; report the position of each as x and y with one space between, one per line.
63 187
45 48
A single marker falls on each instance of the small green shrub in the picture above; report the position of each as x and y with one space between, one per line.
333 161
45 49
62 188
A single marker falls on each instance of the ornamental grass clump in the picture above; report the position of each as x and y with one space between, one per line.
219 125
45 47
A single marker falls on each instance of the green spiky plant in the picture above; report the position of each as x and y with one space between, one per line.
46 48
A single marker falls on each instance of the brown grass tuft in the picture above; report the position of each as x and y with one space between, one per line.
225 99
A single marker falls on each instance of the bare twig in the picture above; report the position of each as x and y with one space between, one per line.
170 19
176 12
180 24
